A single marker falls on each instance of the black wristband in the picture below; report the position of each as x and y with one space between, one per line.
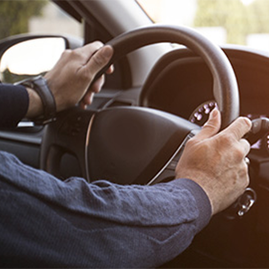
39 85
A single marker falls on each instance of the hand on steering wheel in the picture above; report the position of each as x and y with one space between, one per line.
135 145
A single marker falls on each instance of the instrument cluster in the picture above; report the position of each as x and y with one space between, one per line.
201 114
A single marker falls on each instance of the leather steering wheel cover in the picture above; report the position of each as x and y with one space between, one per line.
225 83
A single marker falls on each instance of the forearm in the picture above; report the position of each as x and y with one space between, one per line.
118 226
153 224
164 204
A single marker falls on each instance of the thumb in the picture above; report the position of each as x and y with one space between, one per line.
211 127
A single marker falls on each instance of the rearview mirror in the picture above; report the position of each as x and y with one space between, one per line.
30 58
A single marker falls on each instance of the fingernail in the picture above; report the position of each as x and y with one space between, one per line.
213 114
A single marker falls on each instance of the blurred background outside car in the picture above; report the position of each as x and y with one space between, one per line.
244 22
37 17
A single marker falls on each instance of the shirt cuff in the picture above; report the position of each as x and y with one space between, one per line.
202 200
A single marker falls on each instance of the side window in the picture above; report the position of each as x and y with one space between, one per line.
35 17
36 56
43 17
54 21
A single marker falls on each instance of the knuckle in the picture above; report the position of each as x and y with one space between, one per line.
87 76
67 51
75 53
70 55
98 44
227 139
238 154
191 142
245 145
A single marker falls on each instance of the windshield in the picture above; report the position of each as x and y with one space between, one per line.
243 22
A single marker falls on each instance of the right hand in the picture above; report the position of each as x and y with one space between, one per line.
216 161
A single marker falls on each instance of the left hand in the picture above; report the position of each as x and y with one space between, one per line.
70 78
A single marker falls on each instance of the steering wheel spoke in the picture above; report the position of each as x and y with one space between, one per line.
69 134
132 145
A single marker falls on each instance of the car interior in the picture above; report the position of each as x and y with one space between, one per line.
167 80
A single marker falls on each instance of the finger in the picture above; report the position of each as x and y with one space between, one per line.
87 100
239 127
245 146
110 70
244 174
100 59
89 49
98 84
211 127
95 88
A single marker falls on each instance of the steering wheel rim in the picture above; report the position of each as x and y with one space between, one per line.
225 87
84 140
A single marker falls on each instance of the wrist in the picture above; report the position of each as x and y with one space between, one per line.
38 90
35 108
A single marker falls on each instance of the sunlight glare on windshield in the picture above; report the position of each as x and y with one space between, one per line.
247 2
242 22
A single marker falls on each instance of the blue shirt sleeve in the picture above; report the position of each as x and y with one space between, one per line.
77 224
50 223
14 101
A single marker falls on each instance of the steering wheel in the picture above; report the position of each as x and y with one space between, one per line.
138 145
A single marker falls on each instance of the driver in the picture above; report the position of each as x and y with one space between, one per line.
46 222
